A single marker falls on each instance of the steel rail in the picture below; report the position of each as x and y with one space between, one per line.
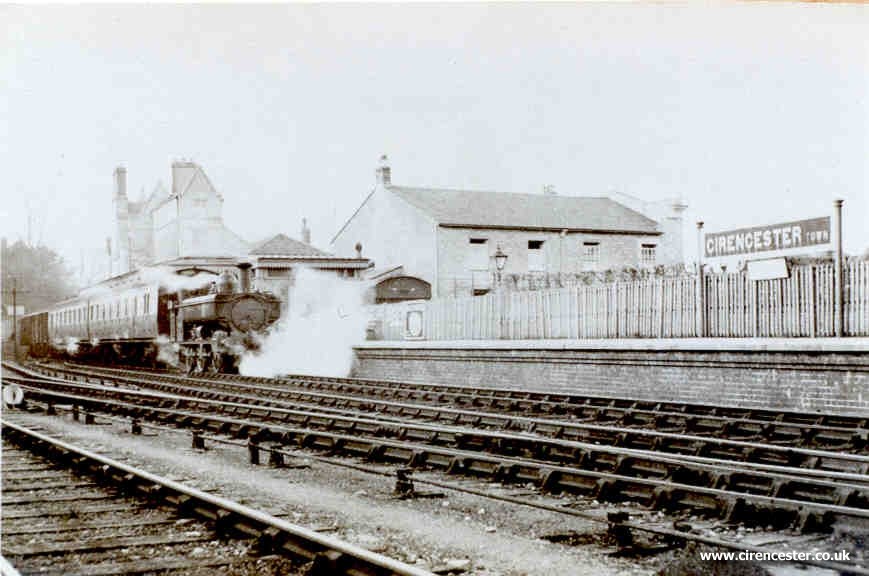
330 555
858 421
657 441
838 438
820 429
452 415
654 493
672 535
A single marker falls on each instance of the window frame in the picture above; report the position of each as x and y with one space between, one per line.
539 255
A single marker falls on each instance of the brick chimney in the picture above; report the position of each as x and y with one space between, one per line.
384 176
306 232
121 257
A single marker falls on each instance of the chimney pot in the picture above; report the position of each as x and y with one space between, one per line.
384 175
120 181
306 232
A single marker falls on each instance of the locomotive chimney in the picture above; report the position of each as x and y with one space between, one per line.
244 274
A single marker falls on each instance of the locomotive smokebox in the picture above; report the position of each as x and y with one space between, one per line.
244 275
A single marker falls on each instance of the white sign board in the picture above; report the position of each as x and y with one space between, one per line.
770 269
414 323
12 394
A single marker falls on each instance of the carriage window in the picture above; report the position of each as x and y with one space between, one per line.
147 303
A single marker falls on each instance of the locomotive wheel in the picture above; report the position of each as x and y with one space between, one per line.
191 364
216 364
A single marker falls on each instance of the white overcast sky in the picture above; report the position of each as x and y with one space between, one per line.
753 113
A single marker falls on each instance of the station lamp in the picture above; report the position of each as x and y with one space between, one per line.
500 260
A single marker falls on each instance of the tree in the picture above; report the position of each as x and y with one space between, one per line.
41 274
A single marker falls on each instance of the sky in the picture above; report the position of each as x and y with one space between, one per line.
752 113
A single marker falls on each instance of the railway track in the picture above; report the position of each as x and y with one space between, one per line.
561 506
596 446
67 510
833 432
748 496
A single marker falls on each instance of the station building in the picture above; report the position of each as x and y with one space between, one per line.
182 228
445 241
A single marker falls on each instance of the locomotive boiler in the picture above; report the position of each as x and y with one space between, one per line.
218 327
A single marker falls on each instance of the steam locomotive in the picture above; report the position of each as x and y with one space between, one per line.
143 321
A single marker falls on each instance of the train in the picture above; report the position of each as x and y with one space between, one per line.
202 327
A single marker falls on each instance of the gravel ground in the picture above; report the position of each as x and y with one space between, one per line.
479 535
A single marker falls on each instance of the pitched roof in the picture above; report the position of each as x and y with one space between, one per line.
479 209
283 245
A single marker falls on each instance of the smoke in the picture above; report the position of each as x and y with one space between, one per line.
316 336
167 278
164 276
167 351
68 345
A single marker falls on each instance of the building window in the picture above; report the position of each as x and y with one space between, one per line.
536 260
590 254
647 254
478 254
277 272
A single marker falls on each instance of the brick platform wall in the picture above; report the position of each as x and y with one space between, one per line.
836 382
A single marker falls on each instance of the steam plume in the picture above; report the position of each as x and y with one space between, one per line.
316 336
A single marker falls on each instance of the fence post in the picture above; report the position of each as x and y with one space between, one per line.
701 288
839 293
812 303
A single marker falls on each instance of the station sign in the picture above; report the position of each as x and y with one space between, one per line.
797 234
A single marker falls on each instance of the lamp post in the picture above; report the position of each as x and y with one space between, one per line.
500 260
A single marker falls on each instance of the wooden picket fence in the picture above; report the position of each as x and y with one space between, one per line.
800 305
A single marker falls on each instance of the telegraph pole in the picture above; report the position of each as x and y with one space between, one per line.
15 317
14 293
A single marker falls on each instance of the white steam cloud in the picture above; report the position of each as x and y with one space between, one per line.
68 345
167 351
325 319
167 278
164 276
